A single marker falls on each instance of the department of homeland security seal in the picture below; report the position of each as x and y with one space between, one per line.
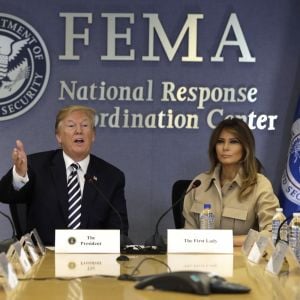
291 178
24 67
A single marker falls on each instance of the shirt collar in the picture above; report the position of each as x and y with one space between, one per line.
237 179
83 163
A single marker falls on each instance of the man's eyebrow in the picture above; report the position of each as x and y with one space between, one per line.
85 120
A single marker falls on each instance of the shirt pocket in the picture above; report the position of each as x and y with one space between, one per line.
197 207
235 213
235 219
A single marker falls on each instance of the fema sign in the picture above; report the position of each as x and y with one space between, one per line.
24 67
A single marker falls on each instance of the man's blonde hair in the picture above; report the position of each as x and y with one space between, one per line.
64 112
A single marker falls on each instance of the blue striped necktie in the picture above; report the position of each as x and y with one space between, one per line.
74 202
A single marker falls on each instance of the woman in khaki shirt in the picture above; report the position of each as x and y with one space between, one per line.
240 196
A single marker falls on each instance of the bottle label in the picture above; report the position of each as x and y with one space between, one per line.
294 240
275 226
207 220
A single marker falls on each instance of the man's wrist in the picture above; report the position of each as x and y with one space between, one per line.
18 180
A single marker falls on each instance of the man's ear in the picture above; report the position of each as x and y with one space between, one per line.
58 138
94 135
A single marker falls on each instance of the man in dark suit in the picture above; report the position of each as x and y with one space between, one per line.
40 180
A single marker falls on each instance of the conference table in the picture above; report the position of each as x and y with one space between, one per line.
95 276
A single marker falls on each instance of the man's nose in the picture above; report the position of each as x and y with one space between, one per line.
78 128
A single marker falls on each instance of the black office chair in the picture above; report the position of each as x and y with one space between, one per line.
178 190
18 213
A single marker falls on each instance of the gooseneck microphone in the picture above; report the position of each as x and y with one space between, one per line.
280 226
124 238
156 239
4 245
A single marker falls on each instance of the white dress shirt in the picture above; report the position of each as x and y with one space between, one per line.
19 181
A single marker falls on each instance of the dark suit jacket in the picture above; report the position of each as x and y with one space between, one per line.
46 195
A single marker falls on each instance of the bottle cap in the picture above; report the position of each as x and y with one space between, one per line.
296 214
207 205
279 209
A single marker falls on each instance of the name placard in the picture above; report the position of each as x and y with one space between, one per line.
6 269
251 238
87 241
260 248
36 238
29 247
18 250
79 265
276 261
200 241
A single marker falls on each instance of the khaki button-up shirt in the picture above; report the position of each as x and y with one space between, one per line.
255 211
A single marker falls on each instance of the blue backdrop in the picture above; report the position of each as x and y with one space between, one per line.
160 75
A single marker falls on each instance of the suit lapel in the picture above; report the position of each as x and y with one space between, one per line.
89 193
58 172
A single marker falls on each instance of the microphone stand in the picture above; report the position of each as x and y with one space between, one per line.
124 239
156 239
4 245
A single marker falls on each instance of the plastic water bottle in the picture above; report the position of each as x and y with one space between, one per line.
207 218
278 218
294 234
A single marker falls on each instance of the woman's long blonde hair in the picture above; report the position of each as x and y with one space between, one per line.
250 164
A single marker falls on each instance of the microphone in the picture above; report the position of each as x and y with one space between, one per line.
124 238
156 239
5 244
280 226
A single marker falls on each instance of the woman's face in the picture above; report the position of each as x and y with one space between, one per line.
228 148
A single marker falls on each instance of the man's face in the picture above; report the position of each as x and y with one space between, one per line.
76 135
